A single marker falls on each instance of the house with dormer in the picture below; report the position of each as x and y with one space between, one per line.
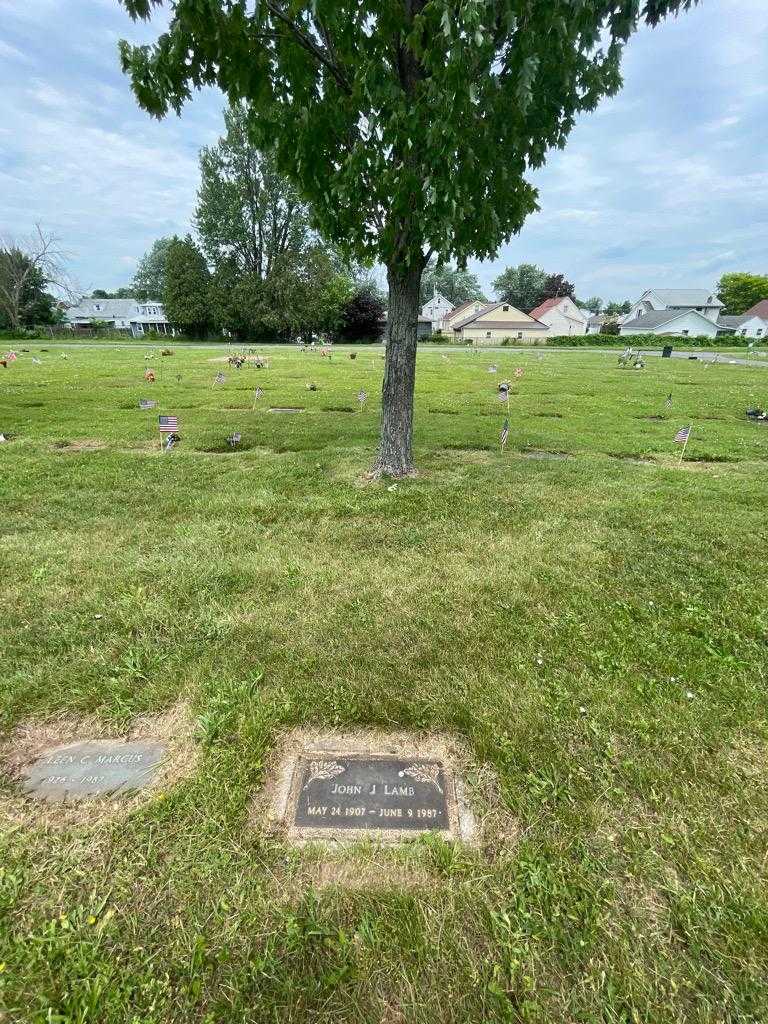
679 311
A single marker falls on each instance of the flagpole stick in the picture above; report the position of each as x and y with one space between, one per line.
682 453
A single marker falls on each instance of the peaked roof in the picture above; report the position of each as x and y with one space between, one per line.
658 317
545 305
759 309
491 307
686 296
460 308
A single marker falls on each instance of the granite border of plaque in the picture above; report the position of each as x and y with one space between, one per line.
341 788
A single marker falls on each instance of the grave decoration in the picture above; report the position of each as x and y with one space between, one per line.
234 440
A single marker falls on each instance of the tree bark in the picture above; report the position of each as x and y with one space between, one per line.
396 441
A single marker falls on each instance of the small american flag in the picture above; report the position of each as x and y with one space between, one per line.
519 372
492 369
681 437
504 395
504 432
168 424
668 402
147 403
257 394
219 379
36 360
362 396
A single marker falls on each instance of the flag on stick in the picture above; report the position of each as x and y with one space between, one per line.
219 378
362 397
256 396
168 424
681 437
504 433
668 402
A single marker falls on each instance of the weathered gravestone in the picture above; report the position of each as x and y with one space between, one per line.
364 792
93 768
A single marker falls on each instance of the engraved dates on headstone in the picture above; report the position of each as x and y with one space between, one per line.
94 768
370 792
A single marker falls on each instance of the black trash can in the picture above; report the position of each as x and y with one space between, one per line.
666 352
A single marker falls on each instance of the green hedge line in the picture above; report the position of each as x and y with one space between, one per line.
653 341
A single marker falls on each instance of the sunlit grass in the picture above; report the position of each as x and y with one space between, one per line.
593 627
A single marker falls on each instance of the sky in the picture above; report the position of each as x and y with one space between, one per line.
664 185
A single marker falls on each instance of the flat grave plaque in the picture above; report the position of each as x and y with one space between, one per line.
94 768
359 791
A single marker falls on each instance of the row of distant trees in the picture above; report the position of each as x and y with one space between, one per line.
256 268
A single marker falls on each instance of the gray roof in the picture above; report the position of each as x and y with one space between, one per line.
109 309
686 296
732 321
516 325
473 316
490 307
657 317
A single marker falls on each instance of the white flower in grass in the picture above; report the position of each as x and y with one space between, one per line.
689 694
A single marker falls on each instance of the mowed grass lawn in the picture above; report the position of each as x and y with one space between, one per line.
593 629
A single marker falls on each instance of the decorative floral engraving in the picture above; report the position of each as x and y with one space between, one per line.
323 770
424 773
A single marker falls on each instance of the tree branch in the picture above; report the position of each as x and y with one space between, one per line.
310 45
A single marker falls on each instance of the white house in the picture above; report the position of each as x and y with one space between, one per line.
436 309
123 314
562 316
671 321
747 326
678 299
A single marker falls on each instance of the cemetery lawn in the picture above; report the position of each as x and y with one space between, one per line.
592 628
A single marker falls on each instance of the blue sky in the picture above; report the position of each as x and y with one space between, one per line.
666 184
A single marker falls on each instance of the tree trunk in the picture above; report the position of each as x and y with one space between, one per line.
395 444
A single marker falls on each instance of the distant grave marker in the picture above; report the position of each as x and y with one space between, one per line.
287 409
93 768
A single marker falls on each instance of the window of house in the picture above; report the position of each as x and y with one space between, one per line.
505 308
487 334
758 332
97 306
519 334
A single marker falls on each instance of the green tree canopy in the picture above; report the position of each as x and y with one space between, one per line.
149 279
456 285
186 293
521 286
617 308
594 304
408 125
248 215
739 292
556 287
363 314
